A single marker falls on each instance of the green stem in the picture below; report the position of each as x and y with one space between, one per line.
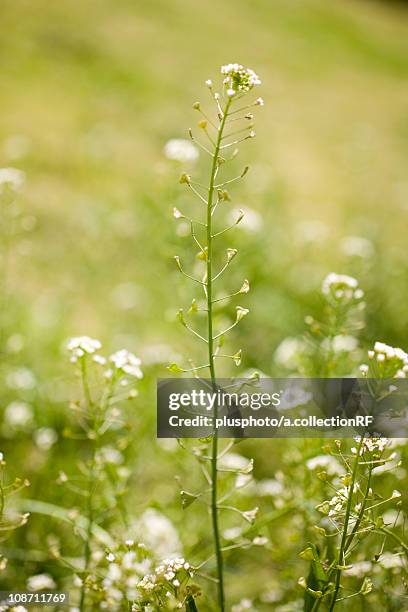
90 510
345 527
88 536
362 510
214 457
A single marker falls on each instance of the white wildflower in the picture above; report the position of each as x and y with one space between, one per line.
81 345
250 515
158 533
238 78
181 150
127 362
326 462
18 414
45 437
288 352
40 582
343 343
11 178
341 286
269 487
233 461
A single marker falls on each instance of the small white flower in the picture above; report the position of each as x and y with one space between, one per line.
238 78
127 362
250 515
181 150
11 178
110 557
45 437
81 345
364 369
18 414
327 462
260 541
40 582
340 286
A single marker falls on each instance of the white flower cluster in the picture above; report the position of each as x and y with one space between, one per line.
181 150
80 345
341 287
239 79
123 360
394 361
127 362
11 178
371 445
337 502
169 568
171 571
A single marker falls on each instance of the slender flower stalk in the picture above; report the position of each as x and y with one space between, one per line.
214 459
345 537
104 382
237 82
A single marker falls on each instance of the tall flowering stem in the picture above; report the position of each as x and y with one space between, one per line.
211 359
104 382
346 538
237 82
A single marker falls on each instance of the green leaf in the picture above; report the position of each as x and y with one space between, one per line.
173 367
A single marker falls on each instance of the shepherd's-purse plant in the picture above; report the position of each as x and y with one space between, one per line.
232 125
99 420
354 508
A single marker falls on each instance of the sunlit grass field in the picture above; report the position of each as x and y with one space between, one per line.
90 94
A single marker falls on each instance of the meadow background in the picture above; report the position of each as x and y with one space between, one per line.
90 94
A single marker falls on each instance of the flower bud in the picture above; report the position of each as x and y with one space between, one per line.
185 178
245 287
237 357
231 254
194 307
180 317
177 214
241 313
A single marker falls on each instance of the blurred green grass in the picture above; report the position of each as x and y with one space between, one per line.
92 91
